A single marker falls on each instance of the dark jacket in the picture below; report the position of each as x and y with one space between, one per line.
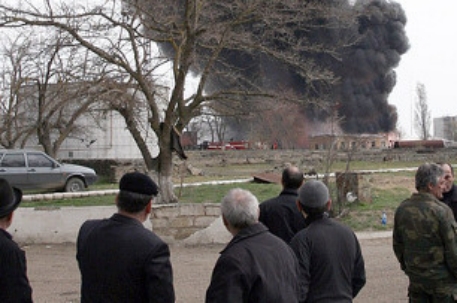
331 263
450 198
14 284
121 261
256 266
281 215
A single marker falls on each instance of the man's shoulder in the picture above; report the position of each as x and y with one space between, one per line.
283 197
6 242
91 224
269 202
316 227
245 246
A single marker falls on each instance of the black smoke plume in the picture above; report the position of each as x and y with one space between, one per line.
365 68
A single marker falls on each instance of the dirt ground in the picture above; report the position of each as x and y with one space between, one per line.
54 275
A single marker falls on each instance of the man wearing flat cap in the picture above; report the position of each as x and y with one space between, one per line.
14 284
119 259
331 264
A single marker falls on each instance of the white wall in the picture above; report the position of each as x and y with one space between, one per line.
114 141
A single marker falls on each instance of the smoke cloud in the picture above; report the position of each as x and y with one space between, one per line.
365 68
367 71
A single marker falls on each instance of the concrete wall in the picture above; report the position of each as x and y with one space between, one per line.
60 225
179 221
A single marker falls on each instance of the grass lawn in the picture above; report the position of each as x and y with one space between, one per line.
388 190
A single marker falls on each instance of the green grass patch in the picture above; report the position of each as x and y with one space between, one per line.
386 195
188 194
367 216
77 202
215 193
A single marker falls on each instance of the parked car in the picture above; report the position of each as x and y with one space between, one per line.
35 170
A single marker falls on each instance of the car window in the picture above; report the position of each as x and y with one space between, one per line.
13 160
38 160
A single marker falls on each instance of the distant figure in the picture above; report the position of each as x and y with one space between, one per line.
332 268
424 239
280 214
450 189
119 259
255 266
14 284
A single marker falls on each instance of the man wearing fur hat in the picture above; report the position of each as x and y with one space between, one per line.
331 263
14 284
119 259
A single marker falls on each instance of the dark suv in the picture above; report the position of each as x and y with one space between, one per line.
30 169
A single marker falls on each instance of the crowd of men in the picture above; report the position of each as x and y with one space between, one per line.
286 249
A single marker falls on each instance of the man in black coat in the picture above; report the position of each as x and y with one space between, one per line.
280 214
119 259
331 263
14 284
256 266
450 191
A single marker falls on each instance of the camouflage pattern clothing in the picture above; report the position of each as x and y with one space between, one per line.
425 244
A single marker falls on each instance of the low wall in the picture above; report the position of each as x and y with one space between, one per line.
179 221
61 225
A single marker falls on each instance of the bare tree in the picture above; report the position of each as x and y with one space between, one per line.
200 36
50 86
422 113
280 123
14 127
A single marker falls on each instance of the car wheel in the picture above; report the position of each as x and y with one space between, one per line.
74 185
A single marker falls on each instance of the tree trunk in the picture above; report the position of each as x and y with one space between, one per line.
162 169
165 178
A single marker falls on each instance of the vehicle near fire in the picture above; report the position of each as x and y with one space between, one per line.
35 170
428 144
226 145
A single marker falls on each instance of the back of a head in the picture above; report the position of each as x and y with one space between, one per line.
313 196
10 198
240 208
136 190
292 177
427 173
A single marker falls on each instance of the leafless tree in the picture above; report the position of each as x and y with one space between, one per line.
14 127
280 123
422 113
50 85
198 37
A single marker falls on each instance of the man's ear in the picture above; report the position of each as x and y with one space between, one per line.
300 208
224 221
10 217
148 207
329 204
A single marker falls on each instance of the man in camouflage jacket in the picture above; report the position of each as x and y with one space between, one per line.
425 241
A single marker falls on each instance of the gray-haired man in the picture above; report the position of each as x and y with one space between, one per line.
425 239
256 266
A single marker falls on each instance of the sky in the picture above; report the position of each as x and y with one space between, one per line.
431 60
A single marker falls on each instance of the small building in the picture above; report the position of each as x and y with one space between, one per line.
344 142
445 128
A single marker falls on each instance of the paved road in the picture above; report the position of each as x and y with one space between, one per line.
55 277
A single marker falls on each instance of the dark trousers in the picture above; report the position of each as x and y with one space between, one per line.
422 297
